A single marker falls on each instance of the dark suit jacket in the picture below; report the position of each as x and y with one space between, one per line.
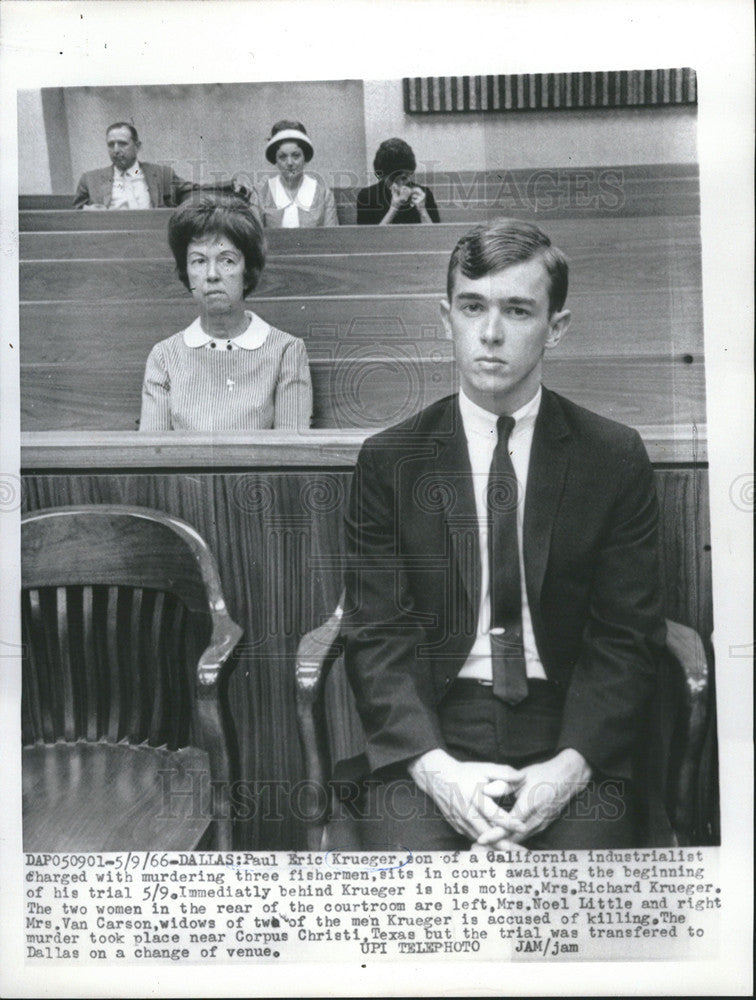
166 189
591 568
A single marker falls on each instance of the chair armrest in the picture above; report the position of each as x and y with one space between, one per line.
316 654
215 723
225 635
685 645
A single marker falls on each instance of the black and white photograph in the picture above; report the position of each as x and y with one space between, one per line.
377 506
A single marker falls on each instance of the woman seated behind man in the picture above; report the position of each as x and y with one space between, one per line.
229 370
293 198
396 198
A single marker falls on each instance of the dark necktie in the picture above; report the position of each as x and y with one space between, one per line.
507 654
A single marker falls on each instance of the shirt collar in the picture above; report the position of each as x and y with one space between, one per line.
252 338
135 170
482 422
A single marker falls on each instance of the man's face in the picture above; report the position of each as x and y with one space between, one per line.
122 148
500 325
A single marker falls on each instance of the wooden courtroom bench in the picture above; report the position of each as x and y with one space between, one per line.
137 241
543 192
87 325
617 250
270 505
370 390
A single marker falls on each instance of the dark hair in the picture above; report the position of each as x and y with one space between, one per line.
392 157
127 125
499 244
223 216
281 126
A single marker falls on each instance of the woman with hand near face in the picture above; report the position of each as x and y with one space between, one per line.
293 198
397 197
229 370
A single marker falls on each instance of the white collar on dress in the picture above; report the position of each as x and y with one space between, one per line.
253 337
303 198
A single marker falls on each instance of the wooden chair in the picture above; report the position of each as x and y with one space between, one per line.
128 740
676 727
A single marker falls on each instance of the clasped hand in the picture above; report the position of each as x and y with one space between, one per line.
403 194
469 793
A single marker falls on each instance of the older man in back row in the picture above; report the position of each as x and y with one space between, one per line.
503 620
129 183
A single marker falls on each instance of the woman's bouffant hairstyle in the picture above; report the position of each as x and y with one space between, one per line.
494 246
392 157
222 216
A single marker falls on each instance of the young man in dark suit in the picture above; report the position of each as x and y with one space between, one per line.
503 620
128 182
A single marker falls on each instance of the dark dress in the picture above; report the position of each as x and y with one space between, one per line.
373 202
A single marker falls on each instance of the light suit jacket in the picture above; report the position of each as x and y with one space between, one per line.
166 189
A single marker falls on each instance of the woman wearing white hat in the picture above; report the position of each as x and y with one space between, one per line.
293 198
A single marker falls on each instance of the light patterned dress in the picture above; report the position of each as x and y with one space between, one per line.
259 380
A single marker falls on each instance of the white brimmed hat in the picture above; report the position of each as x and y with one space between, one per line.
288 135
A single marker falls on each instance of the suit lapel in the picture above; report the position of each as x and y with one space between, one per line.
151 175
549 459
452 464
106 187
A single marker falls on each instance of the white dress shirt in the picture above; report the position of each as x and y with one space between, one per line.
480 430
130 188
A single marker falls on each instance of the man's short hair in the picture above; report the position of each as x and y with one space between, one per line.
496 245
392 157
127 125
219 215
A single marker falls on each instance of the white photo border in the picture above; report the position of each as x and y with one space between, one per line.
99 43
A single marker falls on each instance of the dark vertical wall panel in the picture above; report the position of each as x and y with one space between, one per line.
550 91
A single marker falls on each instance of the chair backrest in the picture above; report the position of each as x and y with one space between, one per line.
125 628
